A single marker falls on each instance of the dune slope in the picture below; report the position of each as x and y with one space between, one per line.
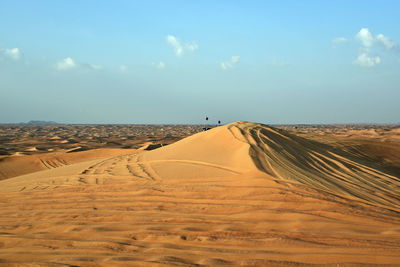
241 194
19 165
286 156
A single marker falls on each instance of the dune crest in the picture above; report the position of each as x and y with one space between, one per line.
243 147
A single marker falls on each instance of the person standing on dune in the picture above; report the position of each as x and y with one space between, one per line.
205 125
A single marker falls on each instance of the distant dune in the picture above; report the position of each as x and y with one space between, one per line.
242 194
42 123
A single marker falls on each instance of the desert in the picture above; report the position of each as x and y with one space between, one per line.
242 194
200 133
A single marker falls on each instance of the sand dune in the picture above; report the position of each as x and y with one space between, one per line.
19 165
242 194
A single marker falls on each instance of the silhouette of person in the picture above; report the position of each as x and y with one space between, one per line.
219 122
206 118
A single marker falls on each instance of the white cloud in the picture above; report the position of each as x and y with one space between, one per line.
66 64
389 44
365 37
368 40
176 44
179 46
339 40
365 60
368 44
230 63
13 53
69 63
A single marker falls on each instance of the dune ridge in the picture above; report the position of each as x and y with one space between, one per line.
287 156
241 194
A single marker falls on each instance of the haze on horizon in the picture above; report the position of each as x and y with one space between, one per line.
277 62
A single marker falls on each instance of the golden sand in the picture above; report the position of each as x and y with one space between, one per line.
241 194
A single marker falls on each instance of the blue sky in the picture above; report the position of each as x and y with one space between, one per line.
177 61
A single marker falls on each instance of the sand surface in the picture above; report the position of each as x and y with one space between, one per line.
241 194
19 165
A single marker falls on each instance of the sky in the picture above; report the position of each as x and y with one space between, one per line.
175 62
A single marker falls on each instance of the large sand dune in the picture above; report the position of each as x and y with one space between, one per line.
241 194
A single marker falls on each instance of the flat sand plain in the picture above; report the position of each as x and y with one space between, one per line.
243 194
